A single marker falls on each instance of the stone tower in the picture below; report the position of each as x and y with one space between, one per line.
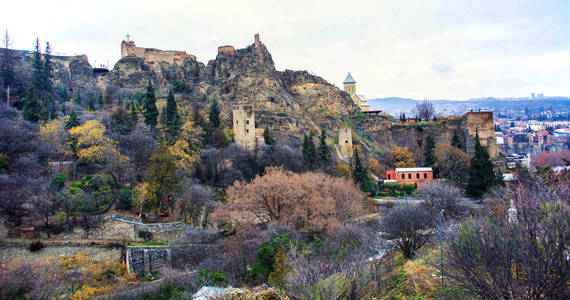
481 122
349 85
244 126
345 142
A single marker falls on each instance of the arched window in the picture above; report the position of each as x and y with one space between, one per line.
409 175
425 175
417 175
389 176
403 176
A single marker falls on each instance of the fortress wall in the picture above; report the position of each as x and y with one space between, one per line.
244 126
345 142
481 122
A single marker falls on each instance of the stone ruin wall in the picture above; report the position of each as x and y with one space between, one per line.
244 126
228 50
483 123
152 56
345 142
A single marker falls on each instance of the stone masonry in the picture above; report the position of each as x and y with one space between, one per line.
244 126
481 122
148 260
152 56
345 142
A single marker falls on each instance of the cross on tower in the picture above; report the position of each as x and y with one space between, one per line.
128 37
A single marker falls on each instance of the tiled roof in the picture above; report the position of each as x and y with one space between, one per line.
349 79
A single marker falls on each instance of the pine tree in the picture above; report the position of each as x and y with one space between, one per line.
150 112
32 106
359 172
214 115
134 115
429 159
100 100
62 109
323 151
173 121
7 76
73 120
78 98
48 70
52 110
481 174
91 102
309 152
267 138
162 117
37 68
455 142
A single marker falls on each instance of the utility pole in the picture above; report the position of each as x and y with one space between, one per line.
441 243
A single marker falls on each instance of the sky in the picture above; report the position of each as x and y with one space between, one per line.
432 49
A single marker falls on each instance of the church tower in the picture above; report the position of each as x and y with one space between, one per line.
349 85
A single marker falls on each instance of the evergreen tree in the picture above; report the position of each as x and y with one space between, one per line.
214 116
7 77
100 100
359 172
323 151
173 121
62 109
309 152
455 142
32 106
52 109
150 112
134 115
481 174
37 68
91 102
78 98
429 159
47 70
267 138
73 120
162 117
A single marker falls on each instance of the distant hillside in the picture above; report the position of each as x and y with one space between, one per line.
397 105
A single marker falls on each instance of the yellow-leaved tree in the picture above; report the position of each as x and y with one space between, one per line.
186 147
54 135
91 145
402 157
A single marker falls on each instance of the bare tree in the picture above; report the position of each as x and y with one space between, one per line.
410 226
425 110
440 196
197 203
519 250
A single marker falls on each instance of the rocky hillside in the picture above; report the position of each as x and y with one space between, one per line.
287 101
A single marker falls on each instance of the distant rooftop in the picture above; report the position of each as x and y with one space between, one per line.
349 79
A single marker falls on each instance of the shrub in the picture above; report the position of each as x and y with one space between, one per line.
442 196
411 226
125 199
147 236
36 246
212 278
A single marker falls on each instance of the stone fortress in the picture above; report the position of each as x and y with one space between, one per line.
345 142
245 134
482 123
151 55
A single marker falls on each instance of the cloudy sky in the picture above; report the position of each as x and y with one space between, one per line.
456 49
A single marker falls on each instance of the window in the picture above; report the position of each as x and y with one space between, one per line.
247 131
237 122
409 175
247 122
389 176
417 175
425 175
346 142
403 176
